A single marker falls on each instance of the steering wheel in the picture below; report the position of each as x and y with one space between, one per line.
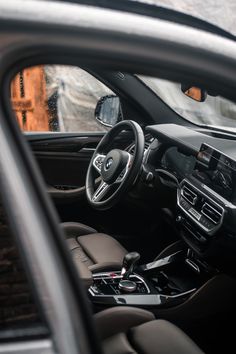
117 168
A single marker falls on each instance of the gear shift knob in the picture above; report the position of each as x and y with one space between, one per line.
129 261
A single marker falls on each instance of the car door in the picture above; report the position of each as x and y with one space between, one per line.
55 108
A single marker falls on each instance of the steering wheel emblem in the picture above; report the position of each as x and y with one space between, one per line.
109 162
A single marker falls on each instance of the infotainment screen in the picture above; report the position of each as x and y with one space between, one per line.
217 171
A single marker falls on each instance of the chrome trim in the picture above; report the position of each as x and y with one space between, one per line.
193 265
107 275
181 294
227 204
195 213
129 287
151 299
37 346
100 192
162 262
95 158
191 192
216 211
208 231
103 123
147 300
87 149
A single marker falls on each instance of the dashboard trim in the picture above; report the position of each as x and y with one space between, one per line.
208 231
226 203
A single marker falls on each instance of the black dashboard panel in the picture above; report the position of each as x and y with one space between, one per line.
217 171
179 164
205 167
190 141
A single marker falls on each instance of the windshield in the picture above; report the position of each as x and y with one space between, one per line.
221 13
214 111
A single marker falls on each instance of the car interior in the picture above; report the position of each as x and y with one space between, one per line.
147 207
117 179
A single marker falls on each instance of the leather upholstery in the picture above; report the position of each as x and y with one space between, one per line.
96 251
129 330
118 344
160 337
75 228
120 319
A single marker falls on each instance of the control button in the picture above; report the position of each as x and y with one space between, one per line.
95 290
206 223
195 214
149 177
113 275
99 161
179 218
127 286
184 204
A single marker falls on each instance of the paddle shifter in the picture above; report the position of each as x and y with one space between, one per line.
129 261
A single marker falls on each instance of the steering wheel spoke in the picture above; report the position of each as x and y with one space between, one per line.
101 191
98 161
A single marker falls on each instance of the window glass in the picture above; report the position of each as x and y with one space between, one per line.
214 111
57 98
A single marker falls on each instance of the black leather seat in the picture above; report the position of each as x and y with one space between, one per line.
92 250
129 330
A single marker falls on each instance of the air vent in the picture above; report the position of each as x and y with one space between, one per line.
212 212
189 195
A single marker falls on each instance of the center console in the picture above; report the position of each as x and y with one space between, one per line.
163 283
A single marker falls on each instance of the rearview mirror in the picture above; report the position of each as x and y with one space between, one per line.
108 110
194 92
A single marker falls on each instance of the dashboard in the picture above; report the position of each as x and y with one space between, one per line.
178 163
204 167
211 167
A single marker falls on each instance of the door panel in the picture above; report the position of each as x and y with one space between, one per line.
64 158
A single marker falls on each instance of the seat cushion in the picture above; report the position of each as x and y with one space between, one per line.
161 337
130 330
118 344
155 337
75 229
97 251
119 319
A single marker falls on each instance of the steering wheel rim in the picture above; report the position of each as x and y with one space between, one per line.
117 168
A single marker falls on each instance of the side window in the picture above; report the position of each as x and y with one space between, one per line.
58 98
18 308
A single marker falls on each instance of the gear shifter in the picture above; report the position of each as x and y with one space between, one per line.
129 261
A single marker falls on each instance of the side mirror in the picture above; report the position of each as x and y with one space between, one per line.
108 110
194 92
